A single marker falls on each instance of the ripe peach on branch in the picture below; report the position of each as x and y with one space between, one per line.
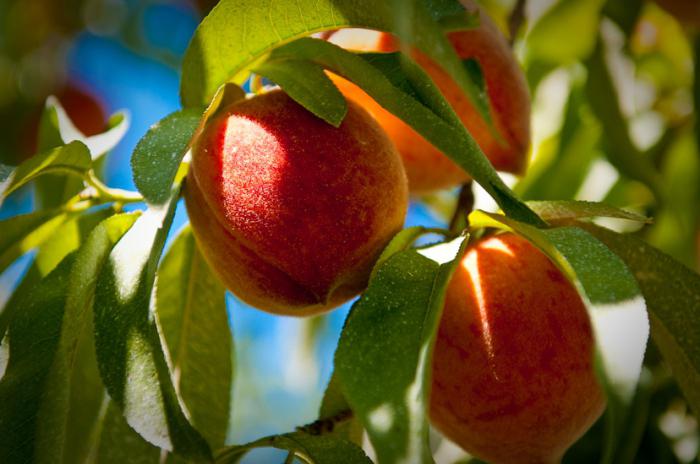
289 211
513 374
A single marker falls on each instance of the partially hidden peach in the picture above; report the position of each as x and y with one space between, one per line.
427 168
513 373
290 212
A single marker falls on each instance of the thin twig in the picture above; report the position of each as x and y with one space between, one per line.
517 16
465 205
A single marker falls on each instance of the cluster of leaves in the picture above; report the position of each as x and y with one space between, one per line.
114 353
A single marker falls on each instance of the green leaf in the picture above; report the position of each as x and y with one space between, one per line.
129 352
384 354
403 241
559 174
25 434
45 331
312 449
672 293
73 158
570 209
56 129
191 311
22 233
614 302
335 416
239 33
404 89
98 144
619 148
157 156
117 443
566 32
306 83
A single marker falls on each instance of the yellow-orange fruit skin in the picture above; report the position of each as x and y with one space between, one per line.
290 212
427 168
513 374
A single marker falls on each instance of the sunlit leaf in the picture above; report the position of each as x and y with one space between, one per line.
129 352
157 156
98 144
384 354
191 311
73 158
238 33
566 32
27 231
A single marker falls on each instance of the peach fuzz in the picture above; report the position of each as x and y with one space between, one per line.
290 212
427 168
513 366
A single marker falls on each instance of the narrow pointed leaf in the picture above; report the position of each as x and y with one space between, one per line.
384 354
131 359
73 158
191 310
559 210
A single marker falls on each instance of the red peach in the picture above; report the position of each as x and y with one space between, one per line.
290 212
513 369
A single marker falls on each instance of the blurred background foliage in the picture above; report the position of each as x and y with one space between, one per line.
613 87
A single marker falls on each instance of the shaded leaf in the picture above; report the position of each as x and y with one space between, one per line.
313 449
384 354
157 156
335 415
672 293
191 311
129 352
117 443
307 84
45 332
73 158
569 209
619 148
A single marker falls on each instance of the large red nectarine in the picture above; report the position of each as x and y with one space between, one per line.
289 211
513 374
427 168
